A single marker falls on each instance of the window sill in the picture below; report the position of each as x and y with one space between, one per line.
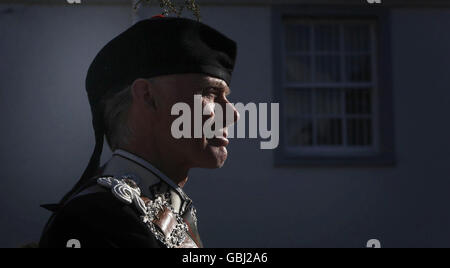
374 160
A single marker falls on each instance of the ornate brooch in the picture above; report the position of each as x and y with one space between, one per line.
158 215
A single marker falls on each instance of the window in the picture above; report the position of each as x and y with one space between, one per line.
328 85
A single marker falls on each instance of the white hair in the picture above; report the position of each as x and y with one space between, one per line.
117 130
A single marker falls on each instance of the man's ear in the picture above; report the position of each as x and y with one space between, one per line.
143 93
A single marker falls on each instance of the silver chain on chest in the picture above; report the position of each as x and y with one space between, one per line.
127 191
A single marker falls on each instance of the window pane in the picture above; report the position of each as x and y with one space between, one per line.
328 101
358 69
329 131
359 132
328 69
299 132
358 101
298 69
327 37
298 37
357 37
298 102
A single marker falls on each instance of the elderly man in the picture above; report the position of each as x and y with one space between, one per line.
136 198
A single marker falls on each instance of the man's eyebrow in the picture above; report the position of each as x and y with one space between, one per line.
219 85
224 88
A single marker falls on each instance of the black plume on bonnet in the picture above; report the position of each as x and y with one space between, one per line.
150 48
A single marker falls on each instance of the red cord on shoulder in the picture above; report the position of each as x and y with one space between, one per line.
158 16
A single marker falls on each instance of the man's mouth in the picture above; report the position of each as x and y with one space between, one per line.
218 142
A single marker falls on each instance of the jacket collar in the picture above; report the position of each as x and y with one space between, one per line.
146 176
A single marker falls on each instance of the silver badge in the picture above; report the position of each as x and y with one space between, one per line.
129 193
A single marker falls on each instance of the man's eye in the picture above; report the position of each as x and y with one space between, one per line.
210 94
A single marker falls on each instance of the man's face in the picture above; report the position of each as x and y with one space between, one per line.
192 152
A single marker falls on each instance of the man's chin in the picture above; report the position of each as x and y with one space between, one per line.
217 155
